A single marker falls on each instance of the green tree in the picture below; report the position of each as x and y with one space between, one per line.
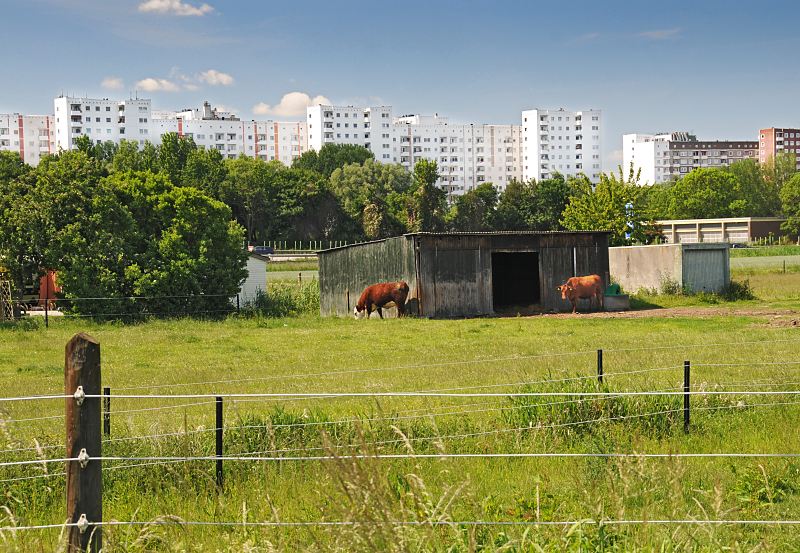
17 214
428 203
11 167
129 157
173 152
474 210
158 240
249 190
756 195
374 195
790 201
779 169
103 152
538 205
704 194
204 170
658 200
617 204
331 157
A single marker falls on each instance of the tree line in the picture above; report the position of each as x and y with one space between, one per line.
125 220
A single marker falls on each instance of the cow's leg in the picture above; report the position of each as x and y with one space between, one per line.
368 309
401 309
380 311
602 301
574 306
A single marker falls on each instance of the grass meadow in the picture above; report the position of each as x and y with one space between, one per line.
308 354
741 350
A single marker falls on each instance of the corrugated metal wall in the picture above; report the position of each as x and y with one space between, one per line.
345 272
455 270
707 269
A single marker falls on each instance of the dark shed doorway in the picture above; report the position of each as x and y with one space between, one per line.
515 279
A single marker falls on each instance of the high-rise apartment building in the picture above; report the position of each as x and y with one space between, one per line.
101 120
232 137
665 157
566 142
775 141
467 154
31 136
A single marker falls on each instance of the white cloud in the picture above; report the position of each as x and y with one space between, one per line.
174 7
112 83
214 78
660 34
291 105
157 85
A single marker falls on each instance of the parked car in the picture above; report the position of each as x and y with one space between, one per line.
263 250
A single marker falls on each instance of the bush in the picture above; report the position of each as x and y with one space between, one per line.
670 287
287 299
736 290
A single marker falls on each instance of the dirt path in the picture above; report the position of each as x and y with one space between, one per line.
782 317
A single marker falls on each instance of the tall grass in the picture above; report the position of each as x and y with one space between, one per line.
766 251
286 299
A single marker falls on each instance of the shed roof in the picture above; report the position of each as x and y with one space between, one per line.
474 233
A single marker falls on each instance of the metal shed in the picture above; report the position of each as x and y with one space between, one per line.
464 274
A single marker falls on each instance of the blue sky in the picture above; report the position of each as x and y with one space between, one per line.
721 69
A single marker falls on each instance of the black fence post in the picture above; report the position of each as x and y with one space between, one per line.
107 411
219 443
600 366
686 370
237 303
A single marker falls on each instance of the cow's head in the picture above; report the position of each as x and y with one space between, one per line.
358 314
565 289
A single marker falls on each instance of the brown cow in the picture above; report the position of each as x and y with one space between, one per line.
582 288
378 296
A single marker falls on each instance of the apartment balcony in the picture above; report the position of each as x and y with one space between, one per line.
76 119
76 130
75 108
544 138
121 120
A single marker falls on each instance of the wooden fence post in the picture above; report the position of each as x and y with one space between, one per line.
600 366
84 477
686 396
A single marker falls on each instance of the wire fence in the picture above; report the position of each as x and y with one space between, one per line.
371 450
129 308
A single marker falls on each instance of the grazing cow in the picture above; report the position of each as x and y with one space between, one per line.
581 288
378 296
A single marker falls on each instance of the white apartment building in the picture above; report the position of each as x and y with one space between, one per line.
101 120
370 127
31 136
665 157
466 154
567 142
232 137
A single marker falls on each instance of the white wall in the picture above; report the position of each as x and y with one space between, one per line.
256 279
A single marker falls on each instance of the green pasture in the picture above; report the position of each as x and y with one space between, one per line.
313 355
